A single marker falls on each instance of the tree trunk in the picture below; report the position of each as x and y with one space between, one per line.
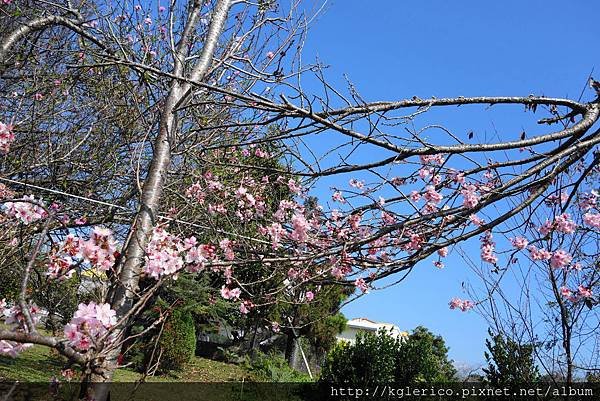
123 297
291 350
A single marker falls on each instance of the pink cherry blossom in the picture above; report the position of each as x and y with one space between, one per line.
584 292
7 137
361 284
12 349
227 248
106 315
415 196
565 292
415 242
431 195
592 219
356 184
354 221
437 158
228 293
487 249
476 220
309 296
443 252
588 201
564 224
519 242
560 258
338 197
387 218
90 322
457 303
470 197
539 254
546 228
28 211
300 228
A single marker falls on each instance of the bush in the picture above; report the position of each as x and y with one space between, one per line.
178 340
275 369
382 358
510 363
371 359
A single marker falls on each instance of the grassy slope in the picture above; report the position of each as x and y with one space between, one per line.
205 380
40 364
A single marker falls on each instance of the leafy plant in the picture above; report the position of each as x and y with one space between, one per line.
178 340
274 368
381 357
509 362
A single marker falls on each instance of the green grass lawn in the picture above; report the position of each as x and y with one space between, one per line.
201 379
40 364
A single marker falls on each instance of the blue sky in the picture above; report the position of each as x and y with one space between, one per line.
393 49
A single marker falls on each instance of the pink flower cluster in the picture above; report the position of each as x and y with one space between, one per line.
26 212
362 285
463 305
574 296
588 201
470 197
5 192
167 254
300 228
592 219
564 224
229 293
561 223
431 195
88 324
164 254
12 348
415 242
437 158
539 254
15 318
519 242
7 137
487 249
560 259
276 232
99 251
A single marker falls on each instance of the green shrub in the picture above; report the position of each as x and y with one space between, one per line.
178 340
382 358
275 369
371 359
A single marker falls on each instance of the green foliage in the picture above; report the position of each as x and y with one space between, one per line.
275 369
509 362
424 358
380 358
178 340
371 359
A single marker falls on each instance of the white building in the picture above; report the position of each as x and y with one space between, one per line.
362 324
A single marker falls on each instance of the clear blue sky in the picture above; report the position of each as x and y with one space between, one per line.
393 49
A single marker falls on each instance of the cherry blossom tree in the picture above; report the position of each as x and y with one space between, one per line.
135 137
545 289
